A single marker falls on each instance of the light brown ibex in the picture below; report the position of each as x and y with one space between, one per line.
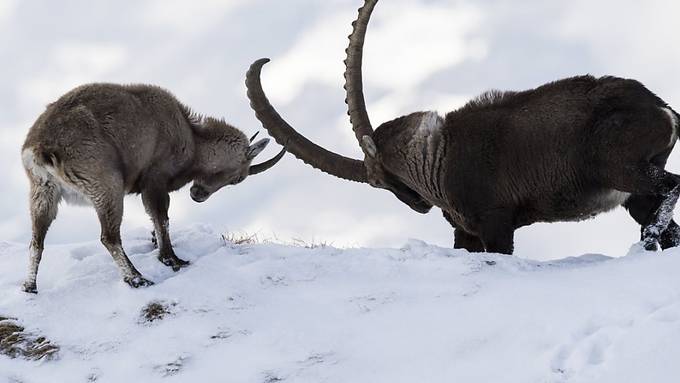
565 151
99 142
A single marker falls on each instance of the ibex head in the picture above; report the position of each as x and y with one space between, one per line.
225 156
378 176
372 170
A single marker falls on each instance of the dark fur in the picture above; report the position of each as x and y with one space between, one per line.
565 151
511 159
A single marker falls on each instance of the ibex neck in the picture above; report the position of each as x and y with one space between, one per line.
202 153
425 158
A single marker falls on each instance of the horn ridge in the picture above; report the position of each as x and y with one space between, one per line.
302 148
356 104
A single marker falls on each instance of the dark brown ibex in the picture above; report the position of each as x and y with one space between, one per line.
101 141
565 151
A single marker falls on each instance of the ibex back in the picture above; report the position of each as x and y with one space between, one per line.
102 141
567 150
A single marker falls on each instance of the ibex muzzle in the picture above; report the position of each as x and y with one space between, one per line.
565 151
102 141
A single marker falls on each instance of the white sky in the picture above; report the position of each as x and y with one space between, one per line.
419 55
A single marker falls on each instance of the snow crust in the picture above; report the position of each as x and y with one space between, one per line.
274 313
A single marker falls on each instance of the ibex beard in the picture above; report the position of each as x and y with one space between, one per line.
99 142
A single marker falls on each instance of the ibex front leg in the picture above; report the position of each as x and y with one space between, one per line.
663 217
651 180
109 206
644 208
496 231
463 239
156 204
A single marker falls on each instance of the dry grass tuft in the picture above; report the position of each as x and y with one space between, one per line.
156 311
240 238
15 342
314 244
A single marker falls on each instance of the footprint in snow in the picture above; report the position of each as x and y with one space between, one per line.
317 359
368 303
172 368
238 302
273 281
310 365
226 334
586 351
272 377
669 313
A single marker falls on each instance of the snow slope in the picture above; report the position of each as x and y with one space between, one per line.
275 313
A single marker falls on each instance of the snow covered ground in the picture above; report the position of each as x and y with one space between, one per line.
272 313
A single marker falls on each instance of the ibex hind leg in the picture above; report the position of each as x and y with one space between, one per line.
107 198
44 201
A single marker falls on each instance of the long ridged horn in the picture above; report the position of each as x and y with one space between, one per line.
259 168
309 152
356 105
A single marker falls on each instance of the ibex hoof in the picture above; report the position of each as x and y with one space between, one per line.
29 287
650 243
174 262
650 238
650 246
138 281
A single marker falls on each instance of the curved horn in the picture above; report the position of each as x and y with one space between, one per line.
293 141
356 105
253 137
259 168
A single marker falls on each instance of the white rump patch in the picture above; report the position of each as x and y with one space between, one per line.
674 124
430 121
39 172
46 173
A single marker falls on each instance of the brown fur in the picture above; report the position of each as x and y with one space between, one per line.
99 142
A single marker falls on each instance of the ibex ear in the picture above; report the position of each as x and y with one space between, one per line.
368 146
257 148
